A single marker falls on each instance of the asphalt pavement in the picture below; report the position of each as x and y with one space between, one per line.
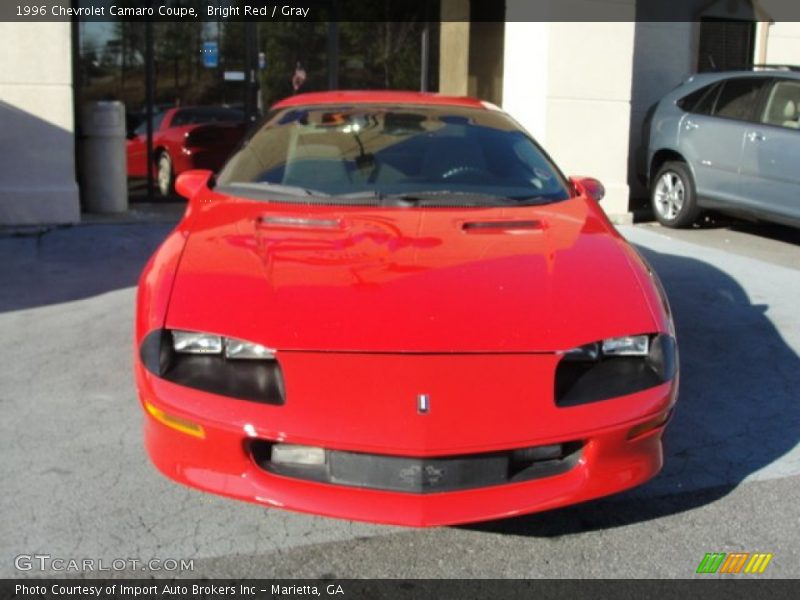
77 483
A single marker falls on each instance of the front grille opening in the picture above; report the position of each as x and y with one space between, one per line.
412 474
543 461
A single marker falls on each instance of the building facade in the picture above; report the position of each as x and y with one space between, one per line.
581 88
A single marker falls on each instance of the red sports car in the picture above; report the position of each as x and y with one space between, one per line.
186 138
393 307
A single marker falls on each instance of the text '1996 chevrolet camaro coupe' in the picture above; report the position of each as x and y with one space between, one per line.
393 307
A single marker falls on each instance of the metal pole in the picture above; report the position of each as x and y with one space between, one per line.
425 58
250 64
259 100
333 52
78 76
221 61
150 93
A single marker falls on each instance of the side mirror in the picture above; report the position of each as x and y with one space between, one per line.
589 186
189 183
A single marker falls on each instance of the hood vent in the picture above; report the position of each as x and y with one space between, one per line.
281 222
501 226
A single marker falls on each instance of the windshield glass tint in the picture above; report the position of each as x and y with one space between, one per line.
142 128
394 150
195 116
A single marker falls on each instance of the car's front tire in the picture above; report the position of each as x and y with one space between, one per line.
673 196
165 177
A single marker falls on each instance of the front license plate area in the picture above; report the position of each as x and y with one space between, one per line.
417 475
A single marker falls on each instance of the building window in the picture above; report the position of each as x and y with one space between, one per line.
725 45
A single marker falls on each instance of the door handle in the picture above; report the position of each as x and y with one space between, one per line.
689 124
756 136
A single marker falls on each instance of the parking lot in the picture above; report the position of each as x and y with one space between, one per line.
78 484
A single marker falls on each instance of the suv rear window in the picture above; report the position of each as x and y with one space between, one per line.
700 101
738 98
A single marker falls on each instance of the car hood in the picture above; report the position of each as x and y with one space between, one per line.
425 280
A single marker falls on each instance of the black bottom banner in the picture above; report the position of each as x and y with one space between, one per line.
459 589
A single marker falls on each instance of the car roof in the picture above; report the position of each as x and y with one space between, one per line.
379 97
698 80
711 76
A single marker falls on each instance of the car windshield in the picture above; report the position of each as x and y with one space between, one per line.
142 127
379 154
206 114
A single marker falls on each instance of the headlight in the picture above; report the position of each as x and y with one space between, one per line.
191 342
247 350
585 352
629 345
213 363
614 367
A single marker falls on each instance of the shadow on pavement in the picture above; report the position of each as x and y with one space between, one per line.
772 231
105 253
73 263
714 220
737 409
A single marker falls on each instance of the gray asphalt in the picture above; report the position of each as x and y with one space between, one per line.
77 483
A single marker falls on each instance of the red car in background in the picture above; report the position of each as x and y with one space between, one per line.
185 138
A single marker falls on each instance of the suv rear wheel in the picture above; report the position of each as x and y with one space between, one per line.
673 195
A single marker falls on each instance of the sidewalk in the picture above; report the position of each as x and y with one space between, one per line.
141 212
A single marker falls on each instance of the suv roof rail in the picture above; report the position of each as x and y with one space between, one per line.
768 67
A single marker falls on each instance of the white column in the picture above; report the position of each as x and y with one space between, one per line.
569 84
454 48
37 151
589 104
783 43
525 74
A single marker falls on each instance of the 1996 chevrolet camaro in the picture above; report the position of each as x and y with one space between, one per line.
393 307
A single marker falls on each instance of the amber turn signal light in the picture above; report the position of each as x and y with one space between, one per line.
177 423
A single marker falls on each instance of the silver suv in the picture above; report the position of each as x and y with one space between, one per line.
726 141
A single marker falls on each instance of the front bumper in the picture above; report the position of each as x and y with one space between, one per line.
223 460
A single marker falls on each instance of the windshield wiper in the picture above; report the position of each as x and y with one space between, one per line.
279 188
450 198
360 197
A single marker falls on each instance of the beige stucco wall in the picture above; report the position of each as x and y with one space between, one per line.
454 47
783 43
569 84
37 164
590 103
